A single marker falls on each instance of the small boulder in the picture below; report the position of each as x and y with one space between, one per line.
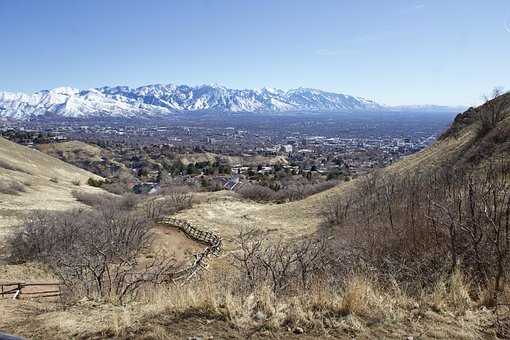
260 316
298 330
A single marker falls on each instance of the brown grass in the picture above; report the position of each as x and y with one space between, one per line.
8 166
212 306
452 294
34 169
11 187
91 198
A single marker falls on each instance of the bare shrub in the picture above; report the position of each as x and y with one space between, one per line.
283 266
246 260
8 166
313 189
125 202
11 187
128 201
170 185
335 210
94 253
419 227
158 207
292 192
93 182
179 200
116 187
91 199
177 185
493 111
76 182
257 192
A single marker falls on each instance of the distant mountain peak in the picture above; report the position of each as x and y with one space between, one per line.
165 99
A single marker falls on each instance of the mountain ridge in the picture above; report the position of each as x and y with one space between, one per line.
159 100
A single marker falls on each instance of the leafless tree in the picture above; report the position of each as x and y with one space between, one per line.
335 209
493 111
96 253
281 264
257 192
246 259
157 207
405 227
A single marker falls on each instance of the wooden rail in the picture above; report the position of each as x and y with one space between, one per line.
199 262
18 290
213 241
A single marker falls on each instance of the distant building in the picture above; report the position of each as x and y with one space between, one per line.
239 170
265 170
232 183
287 148
146 188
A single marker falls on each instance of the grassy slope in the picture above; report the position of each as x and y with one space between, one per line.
35 170
90 151
82 155
231 160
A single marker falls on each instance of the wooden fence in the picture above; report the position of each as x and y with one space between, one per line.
213 241
18 290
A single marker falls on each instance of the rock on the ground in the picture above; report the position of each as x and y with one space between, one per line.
298 330
260 316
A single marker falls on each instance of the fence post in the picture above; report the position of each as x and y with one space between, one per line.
18 292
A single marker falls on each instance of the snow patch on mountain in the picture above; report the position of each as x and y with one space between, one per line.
161 100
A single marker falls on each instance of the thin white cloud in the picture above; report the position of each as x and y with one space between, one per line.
416 6
331 52
507 26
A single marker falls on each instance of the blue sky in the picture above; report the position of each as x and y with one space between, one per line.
395 51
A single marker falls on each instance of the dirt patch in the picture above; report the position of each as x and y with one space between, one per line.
173 242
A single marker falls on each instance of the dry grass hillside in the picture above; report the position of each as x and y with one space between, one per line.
85 156
465 144
80 149
30 179
231 160
226 213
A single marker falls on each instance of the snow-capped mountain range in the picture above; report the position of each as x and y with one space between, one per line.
161 100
